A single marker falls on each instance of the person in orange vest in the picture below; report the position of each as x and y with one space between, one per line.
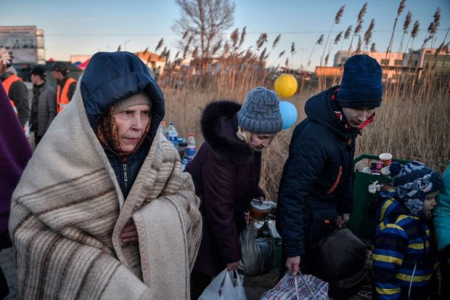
15 88
66 85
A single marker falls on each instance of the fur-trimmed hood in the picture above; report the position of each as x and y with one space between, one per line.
219 127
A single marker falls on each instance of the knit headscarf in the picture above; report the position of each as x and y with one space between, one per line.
108 133
413 182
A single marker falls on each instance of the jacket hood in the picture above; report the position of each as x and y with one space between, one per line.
321 109
110 77
386 206
219 127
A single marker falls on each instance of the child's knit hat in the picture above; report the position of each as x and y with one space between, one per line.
413 182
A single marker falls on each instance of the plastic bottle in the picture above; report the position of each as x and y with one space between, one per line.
163 128
172 134
191 149
182 148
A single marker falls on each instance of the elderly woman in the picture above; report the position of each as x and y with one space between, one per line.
102 210
226 172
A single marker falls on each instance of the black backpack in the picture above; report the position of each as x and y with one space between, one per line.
341 261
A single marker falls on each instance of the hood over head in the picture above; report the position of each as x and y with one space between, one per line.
219 126
385 207
111 77
412 182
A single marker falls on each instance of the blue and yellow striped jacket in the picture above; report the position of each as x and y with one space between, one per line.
405 254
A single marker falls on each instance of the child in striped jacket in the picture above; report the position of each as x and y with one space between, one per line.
405 253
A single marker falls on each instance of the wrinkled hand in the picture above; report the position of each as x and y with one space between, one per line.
129 234
293 264
232 266
342 220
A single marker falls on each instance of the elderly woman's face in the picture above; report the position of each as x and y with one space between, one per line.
131 125
259 141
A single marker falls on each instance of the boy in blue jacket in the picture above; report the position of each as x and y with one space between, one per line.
405 254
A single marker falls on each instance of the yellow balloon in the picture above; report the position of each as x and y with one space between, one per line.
285 86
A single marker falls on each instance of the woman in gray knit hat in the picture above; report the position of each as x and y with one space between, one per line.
226 172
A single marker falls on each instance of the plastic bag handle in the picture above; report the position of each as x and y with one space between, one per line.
306 284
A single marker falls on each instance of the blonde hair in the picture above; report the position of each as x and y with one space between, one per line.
244 135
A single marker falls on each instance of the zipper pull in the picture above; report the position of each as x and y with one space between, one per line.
125 176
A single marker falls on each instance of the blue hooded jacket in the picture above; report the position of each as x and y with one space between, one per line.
109 78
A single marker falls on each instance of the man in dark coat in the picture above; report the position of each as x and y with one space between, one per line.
43 105
315 194
226 173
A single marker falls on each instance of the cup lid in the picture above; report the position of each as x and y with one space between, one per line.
260 205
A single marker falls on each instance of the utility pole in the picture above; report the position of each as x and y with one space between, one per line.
125 44
301 57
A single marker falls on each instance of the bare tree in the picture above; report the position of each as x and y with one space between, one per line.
206 21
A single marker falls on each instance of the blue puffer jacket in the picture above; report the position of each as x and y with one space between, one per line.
442 213
405 254
316 183
108 79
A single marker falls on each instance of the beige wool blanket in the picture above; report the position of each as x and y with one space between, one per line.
68 212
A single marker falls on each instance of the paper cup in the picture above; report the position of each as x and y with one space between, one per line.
386 159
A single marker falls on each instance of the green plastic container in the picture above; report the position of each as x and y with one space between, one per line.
277 239
360 223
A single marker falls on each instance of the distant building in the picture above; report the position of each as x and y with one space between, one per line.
25 42
79 58
428 58
329 72
397 65
152 60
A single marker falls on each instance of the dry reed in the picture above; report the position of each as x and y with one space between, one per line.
411 125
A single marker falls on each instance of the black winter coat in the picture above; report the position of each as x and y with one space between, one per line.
226 176
316 184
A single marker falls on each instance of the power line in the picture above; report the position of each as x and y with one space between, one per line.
248 33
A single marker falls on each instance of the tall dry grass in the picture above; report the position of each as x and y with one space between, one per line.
413 123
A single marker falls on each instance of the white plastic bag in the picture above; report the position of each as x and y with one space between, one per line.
223 288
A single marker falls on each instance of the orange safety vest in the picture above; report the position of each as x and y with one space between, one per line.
61 98
7 85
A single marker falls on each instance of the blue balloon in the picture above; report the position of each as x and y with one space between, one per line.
288 114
